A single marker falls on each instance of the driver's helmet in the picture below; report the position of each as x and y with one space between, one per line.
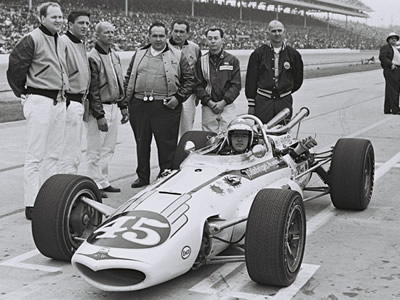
240 125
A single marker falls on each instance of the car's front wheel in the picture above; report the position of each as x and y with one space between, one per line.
275 237
352 174
61 221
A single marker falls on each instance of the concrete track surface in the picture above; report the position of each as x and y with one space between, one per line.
349 255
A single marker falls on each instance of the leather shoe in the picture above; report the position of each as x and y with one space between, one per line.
395 112
28 212
103 194
139 183
111 189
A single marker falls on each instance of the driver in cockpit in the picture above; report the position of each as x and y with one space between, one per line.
240 137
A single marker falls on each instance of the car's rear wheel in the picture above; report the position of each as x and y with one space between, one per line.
60 220
275 237
199 138
352 174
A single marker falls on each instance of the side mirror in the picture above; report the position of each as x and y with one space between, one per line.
259 151
189 147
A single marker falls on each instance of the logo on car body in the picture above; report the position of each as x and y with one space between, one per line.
186 251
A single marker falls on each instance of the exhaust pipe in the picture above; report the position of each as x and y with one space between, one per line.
279 117
303 112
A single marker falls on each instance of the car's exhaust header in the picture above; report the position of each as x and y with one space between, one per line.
303 112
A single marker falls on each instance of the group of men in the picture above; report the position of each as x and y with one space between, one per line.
63 88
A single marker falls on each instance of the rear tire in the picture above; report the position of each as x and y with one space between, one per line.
60 221
199 138
275 237
352 174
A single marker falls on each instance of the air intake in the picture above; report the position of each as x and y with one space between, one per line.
113 277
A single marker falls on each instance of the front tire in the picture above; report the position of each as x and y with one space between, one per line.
352 174
61 221
275 237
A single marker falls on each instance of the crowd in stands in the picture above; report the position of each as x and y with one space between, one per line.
16 20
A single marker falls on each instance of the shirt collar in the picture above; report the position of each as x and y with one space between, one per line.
46 31
73 38
101 50
219 55
157 52
172 42
269 44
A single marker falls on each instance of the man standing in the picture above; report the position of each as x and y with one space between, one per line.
158 81
180 31
79 78
36 74
218 83
274 73
105 95
390 61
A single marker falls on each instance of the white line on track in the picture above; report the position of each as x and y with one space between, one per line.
217 285
17 262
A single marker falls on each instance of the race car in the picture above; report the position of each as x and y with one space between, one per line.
212 200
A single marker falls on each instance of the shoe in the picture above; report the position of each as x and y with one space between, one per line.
28 212
103 194
139 183
395 112
111 189
387 112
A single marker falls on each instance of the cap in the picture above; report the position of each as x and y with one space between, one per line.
392 34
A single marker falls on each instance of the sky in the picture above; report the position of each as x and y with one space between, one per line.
386 12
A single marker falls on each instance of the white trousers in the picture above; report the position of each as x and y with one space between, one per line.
217 122
188 114
101 145
70 157
45 136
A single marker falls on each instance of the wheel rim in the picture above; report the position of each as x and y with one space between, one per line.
368 175
294 237
82 219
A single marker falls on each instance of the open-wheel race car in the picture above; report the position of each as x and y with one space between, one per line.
211 200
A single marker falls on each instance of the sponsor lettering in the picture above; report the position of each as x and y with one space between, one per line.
260 169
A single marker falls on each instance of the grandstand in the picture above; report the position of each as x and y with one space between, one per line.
244 21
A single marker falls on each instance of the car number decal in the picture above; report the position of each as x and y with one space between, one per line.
132 229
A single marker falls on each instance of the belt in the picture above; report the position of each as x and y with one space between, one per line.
271 95
75 97
53 94
109 102
151 98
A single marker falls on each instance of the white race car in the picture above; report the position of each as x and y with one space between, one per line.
252 202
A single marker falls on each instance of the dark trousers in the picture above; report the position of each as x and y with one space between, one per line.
266 108
154 118
392 90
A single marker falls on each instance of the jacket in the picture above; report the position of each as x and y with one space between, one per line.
260 71
77 63
37 65
190 50
104 87
180 78
223 81
386 54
